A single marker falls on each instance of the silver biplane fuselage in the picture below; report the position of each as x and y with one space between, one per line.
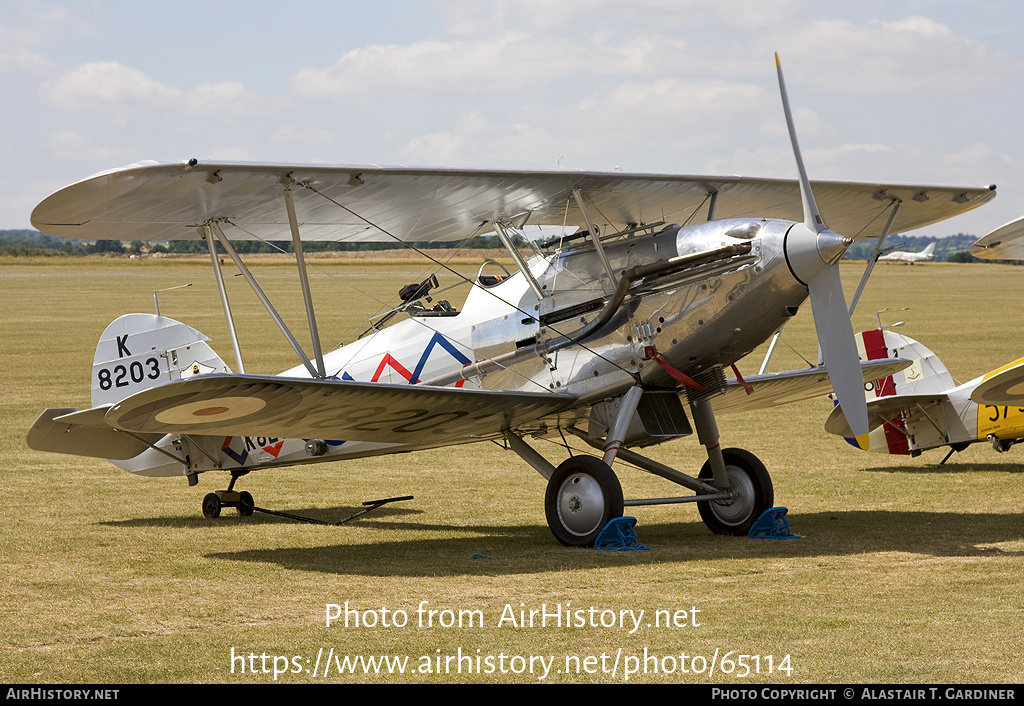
703 318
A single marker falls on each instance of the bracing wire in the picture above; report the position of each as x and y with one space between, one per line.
451 270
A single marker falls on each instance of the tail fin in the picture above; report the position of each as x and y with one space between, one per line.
930 250
927 375
135 352
139 351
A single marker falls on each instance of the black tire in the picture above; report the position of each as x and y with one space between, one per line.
245 504
583 495
749 479
211 506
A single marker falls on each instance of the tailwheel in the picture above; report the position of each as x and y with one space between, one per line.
214 502
583 495
752 494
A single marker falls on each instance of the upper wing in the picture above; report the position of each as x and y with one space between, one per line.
773 389
255 405
152 201
1004 243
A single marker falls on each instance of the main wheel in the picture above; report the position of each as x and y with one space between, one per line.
752 489
245 504
583 495
211 506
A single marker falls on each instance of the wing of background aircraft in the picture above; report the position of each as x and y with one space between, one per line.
883 409
922 407
1002 387
171 201
1004 243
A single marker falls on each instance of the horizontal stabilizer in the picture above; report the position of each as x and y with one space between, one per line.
773 389
254 405
881 410
65 430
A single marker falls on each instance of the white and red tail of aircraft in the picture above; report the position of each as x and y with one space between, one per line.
927 375
922 407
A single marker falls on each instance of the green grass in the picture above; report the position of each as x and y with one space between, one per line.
905 572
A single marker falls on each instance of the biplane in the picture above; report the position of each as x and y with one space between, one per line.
620 320
922 407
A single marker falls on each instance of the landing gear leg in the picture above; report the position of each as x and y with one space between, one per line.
707 434
735 471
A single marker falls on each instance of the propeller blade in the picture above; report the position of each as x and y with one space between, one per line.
812 218
839 349
814 252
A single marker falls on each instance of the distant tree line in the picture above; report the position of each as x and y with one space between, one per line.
26 243
29 243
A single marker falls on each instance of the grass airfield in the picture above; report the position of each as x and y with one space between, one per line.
904 573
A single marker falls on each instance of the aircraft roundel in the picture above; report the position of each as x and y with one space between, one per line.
1003 387
215 410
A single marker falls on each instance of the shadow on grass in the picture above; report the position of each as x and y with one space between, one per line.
230 516
951 466
530 549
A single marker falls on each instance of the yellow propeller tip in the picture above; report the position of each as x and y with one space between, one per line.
777 62
863 441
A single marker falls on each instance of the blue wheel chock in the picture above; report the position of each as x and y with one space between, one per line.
772 524
619 536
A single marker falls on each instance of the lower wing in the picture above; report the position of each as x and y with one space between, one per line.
773 389
252 405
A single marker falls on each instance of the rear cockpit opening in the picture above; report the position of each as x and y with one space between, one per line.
487 276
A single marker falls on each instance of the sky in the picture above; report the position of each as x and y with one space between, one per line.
914 91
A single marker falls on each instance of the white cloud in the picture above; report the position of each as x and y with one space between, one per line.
415 69
507 63
308 136
70 145
476 141
111 86
227 100
16 55
473 18
103 84
626 123
913 54
228 153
